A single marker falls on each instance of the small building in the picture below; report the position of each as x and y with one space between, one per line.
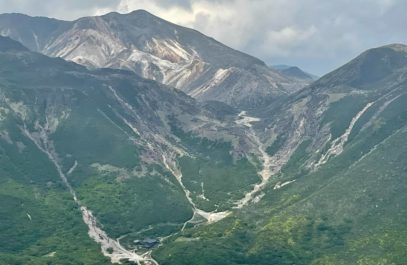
147 242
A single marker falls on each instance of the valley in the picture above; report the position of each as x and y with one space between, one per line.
126 139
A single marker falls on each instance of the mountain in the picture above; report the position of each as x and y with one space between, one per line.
340 196
295 72
102 166
155 49
107 153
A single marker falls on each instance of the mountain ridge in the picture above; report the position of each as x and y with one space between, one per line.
159 50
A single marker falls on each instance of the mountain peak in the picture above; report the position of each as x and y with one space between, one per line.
370 67
385 49
7 45
137 12
141 12
397 47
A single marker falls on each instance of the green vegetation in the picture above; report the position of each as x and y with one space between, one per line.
128 204
19 159
294 167
351 210
96 142
341 112
295 240
357 205
40 223
213 172
276 145
215 178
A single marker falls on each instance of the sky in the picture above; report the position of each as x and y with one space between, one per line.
316 35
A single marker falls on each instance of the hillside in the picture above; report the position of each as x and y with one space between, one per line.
340 198
125 153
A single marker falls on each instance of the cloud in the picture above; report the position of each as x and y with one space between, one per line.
61 9
314 34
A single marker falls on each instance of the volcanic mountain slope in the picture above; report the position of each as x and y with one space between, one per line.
341 197
155 49
124 158
133 157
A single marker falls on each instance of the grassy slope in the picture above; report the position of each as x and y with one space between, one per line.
213 169
123 204
347 212
27 189
87 136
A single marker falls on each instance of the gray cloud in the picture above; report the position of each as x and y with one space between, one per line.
170 3
61 9
316 35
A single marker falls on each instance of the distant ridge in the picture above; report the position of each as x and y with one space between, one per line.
294 72
7 44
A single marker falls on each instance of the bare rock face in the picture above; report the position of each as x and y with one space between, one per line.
154 49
